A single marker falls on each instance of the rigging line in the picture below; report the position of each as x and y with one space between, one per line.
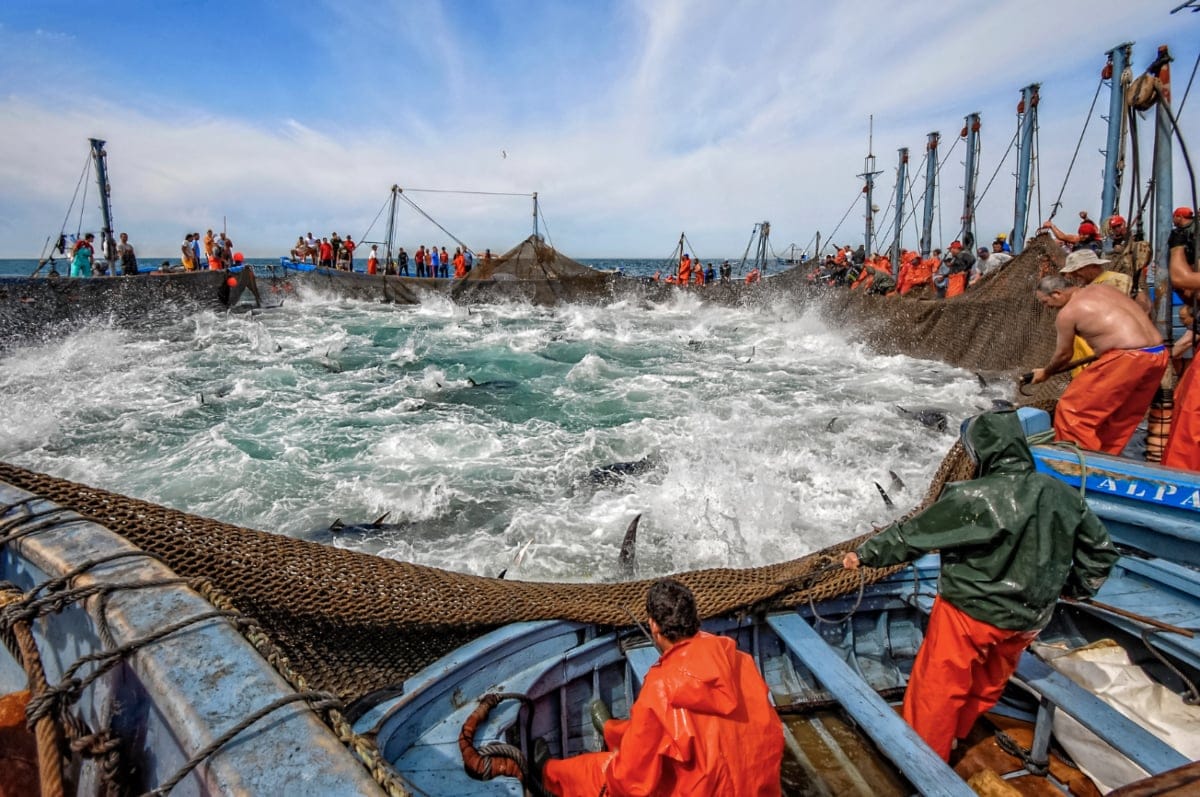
844 215
431 220
83 203
545 227
453 191
1011 144
1179 112
746 254
1058 202
363 237
1037 161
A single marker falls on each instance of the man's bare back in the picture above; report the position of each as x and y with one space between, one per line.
1107 319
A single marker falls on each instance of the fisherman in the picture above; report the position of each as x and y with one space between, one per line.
419 259
959 270
1183 443
186 254
126 256
348 249
1085 268
434 262
209 243
1088 234
402 263
702 724
710 274
1012 541
445 272
1104 404
81 256
1001 244
685 269
460 264
373 260
326 253
754 276
726 272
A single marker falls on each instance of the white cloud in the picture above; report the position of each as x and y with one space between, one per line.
724 115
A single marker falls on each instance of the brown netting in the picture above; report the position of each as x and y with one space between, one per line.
995 326
532 259
350 622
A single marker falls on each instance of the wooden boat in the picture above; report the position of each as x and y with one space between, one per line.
850 655
836 669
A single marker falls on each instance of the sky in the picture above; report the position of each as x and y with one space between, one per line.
632 121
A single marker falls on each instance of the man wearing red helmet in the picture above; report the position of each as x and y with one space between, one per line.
1183 444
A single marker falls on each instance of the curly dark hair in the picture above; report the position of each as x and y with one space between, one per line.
673 606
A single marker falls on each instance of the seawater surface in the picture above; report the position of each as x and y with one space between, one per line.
762 430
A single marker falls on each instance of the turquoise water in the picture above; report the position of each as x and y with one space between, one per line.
764 429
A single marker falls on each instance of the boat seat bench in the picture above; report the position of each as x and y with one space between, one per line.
898 741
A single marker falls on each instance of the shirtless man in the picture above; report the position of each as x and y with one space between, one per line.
1183 444
1105 403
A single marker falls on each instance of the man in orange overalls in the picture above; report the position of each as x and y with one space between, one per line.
1103 404
703 723
1183 444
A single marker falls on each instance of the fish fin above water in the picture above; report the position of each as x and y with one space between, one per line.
897 483
628 556
337 525
832 421
887 501
381 518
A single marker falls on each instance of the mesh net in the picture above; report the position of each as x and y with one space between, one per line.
532 259
350 623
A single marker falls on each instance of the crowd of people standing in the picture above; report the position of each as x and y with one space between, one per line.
336 252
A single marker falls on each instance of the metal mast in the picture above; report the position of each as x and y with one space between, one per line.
1159 277
930 190
1027 113
869 174
1114 158
901 179
391 228
971 128
108 246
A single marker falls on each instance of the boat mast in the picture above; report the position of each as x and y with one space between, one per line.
108 246
971 129
764 237
1027 113
1159 277
1114 156
391 227
535 216
869 174
930 190
901 179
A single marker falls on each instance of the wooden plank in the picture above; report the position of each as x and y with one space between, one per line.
1132 740
899 742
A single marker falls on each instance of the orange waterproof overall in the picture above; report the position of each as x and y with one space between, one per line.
1102 406
1183 445
702 726
960 672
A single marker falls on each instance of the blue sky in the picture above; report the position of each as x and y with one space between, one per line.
632 120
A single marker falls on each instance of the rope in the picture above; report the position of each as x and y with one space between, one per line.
839 224
1067 445
435 223
1188 90
1193 696
18 637
1036 160
451 191
1011 144
1058 202
319 701
362 239
862 586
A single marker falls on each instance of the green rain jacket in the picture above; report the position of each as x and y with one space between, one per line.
1012 540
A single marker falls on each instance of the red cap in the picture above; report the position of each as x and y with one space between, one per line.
1185 213
956 245
238 257
1116 221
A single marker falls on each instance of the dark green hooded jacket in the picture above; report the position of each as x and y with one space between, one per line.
1012 540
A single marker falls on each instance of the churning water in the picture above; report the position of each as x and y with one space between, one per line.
756 434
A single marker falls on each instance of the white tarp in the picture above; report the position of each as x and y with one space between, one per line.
1104 669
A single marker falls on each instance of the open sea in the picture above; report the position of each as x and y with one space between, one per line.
758 434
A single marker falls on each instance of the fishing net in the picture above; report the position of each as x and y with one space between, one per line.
351 623
532 259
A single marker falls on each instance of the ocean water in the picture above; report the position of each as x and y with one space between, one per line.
760 432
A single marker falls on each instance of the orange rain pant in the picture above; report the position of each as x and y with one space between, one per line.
1102 406
583 775
956 284
1183 444
959 673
